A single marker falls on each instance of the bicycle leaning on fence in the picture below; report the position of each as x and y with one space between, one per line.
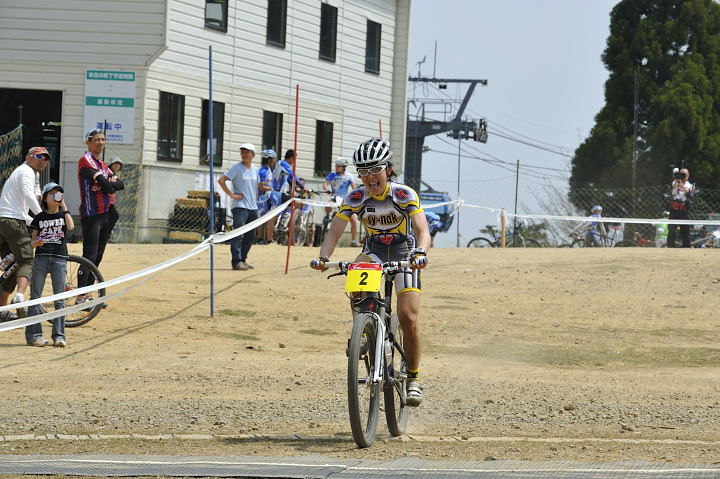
74 263
513 239
376 360
612 239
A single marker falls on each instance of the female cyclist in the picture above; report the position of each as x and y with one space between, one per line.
396 231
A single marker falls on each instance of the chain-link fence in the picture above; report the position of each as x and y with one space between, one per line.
647 202
10 152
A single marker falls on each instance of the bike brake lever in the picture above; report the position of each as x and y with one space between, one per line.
335 274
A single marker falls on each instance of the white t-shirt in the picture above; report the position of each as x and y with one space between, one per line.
18 195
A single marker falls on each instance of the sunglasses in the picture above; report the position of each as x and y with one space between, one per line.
375 170
41 157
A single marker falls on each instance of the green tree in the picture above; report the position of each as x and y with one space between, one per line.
673 48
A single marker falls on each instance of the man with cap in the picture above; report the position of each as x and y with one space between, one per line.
244 178
17 198
97 182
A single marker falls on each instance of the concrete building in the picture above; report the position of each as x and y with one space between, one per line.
142 65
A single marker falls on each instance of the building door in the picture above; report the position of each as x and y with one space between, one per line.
40 111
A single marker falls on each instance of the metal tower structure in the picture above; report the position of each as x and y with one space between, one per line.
421 127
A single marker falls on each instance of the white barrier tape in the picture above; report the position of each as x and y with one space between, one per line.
199 248
603 219
328 204
608 219
19 323
222 237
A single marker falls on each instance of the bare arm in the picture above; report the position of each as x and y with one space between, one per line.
222 181
337 227
421 231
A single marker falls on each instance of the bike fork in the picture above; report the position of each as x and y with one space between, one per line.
377 374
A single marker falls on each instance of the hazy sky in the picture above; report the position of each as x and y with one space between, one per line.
545 85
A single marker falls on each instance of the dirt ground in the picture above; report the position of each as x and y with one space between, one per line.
535 354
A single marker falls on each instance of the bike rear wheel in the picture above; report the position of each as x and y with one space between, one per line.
396 412
479 243
578 243
81 317
363 395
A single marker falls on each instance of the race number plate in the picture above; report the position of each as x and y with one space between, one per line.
363 277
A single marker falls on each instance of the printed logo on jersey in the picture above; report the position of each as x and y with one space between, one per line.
370 210
356 195
386 239
402 194
388 219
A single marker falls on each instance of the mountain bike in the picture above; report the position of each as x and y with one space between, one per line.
612 239
376 359
513 239
74 263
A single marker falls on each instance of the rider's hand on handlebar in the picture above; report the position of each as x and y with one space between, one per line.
418 259
319 264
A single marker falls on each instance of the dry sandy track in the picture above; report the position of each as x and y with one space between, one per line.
614 351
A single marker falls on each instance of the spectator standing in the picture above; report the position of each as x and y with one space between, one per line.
338 183
115 165
244 178
17 198
265 183
49 229
283 174
681 192
661 230
97 183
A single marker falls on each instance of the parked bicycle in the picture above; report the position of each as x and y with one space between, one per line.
74 263
513 239
303 222
612 239
376 360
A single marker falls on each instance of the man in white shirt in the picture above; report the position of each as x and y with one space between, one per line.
244 177
17 198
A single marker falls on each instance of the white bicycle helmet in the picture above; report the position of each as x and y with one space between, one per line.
372 152
268 153
596 208
341 161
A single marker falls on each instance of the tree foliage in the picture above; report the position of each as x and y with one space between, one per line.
672 47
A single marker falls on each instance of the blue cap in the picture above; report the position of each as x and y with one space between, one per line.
51 186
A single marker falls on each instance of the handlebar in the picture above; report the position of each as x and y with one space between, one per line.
387 267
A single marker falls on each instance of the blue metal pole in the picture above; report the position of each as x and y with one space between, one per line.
212 184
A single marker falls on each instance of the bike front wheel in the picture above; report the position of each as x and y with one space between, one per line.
396 412
363 395
578 243
479 243
532 243
74 263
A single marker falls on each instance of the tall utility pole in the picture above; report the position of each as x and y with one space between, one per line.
418 129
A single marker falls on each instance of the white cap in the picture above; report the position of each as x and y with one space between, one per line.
248 146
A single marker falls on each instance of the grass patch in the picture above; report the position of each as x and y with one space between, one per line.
244 313
584 355
317 332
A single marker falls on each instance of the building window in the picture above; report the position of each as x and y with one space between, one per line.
323 147
328 31
171 120
372 47
216 14
272 131
218 128
276 21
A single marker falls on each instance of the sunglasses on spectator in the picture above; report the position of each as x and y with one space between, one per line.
375 170
41 157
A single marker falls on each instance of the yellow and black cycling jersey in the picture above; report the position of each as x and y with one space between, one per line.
386 218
